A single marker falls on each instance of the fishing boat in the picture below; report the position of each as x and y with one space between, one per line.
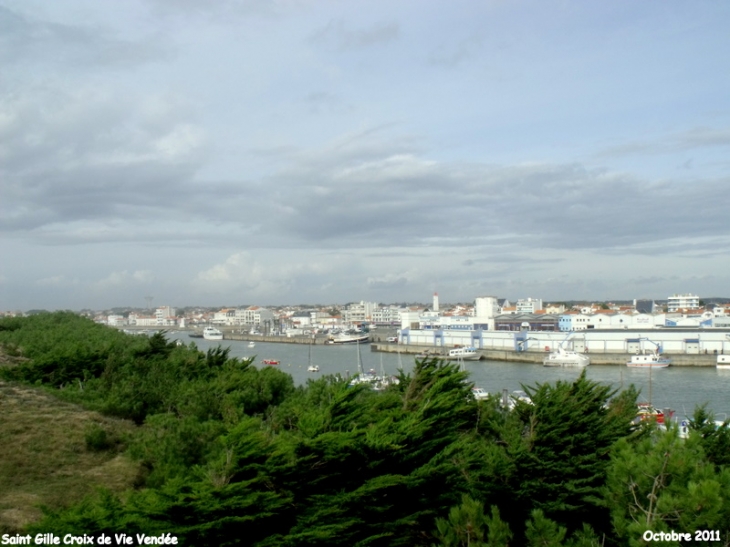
648 359
479 393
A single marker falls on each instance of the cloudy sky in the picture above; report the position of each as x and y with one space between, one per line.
288 151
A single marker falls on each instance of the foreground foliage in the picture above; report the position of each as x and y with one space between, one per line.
239 456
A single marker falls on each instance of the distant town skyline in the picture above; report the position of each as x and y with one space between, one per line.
294 151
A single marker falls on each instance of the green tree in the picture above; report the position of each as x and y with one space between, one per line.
665 483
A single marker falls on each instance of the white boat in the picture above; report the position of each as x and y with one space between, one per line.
349 339
312 368
648 359
210 333
252 344
566 358
510 401
479 393
723 362
463 354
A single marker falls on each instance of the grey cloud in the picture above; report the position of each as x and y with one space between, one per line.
26 40
344 39
320 102
448 56
219 11
699 137
368 190
84 155
387 282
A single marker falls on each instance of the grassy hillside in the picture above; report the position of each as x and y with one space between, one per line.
45 458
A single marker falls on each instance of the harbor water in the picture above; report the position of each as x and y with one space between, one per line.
678 388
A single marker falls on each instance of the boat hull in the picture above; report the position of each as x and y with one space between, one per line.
657 364
349 340
468 357
564 358
555 363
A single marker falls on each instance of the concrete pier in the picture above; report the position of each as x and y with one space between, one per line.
619 359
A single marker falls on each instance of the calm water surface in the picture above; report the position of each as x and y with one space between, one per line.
679 388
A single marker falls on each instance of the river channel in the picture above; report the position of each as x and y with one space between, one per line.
679 388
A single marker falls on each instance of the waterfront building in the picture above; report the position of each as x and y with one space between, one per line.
678 340
678 302
253 315
527 321
555 309
143 320
165 312
645 306
387 315
359 312
529 305
116 320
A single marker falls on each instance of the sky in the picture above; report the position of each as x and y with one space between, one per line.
313 151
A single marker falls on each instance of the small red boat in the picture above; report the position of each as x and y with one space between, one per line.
270 362
647 412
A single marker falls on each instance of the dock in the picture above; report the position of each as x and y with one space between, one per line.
536 357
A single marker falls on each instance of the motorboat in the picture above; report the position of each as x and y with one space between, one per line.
312 368
270 362
566 358
252 344
463 354
723 362
211 333
648 359
349 339
479 393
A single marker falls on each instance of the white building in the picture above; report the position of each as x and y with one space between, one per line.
486 307
164 312
359 313
529 305
116 320
682 301
390 315
253 315
143 320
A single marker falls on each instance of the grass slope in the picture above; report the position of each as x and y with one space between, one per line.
44 457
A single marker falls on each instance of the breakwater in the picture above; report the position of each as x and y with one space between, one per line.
681 360
529 356
318 341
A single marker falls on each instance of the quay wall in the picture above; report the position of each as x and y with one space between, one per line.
276 339
509 355
537 356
